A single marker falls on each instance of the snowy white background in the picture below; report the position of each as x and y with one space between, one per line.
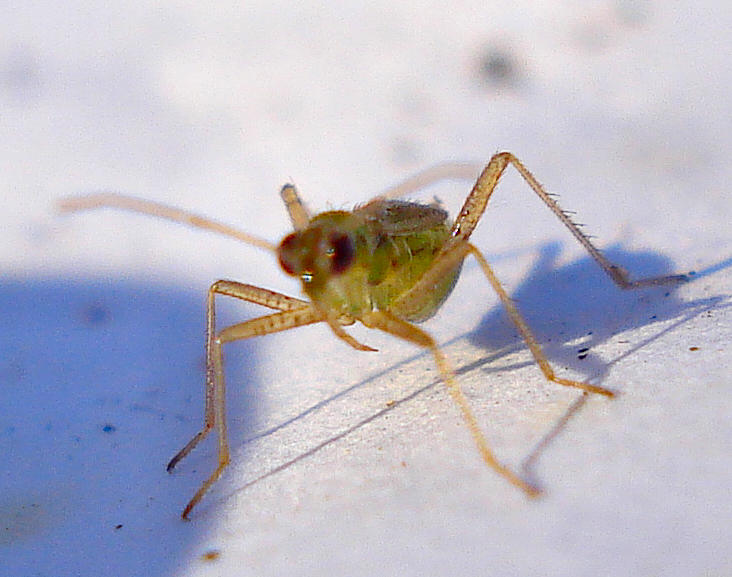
621 107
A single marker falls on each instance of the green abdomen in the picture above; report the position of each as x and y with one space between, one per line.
399 261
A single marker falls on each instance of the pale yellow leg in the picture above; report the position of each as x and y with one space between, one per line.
391 324
430 176
526 333
477 201
293 313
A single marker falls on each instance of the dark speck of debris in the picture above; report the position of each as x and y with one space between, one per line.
109 428
582 353
211 555
118 527
693 348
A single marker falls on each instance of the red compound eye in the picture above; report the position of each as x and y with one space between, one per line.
341 252
287 254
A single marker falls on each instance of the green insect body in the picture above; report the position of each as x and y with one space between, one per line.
351 263
389 264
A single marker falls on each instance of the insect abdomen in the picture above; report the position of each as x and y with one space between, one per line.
399 261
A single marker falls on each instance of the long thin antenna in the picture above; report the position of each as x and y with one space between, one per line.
133 204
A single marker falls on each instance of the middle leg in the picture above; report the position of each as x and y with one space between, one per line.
446 262
393 325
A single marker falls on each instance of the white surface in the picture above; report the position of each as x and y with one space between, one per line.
622 107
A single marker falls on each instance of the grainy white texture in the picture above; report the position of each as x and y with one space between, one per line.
621 107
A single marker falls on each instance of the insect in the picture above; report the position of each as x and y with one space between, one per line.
389 264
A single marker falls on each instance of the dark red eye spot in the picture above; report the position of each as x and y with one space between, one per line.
287 255
341 252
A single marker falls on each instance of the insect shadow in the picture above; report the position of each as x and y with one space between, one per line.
98 376
573 308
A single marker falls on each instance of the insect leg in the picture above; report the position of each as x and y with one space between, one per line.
446 262
391 324
526 333
293 313
344 336
477 200
250 293
430 176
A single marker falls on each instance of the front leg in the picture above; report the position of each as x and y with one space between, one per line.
293 313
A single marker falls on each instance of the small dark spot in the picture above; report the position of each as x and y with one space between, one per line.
211 555
95 315
118 527
497 68
405 151
109 428
582 353
633 13
342 252
693 348
20 74
12 373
